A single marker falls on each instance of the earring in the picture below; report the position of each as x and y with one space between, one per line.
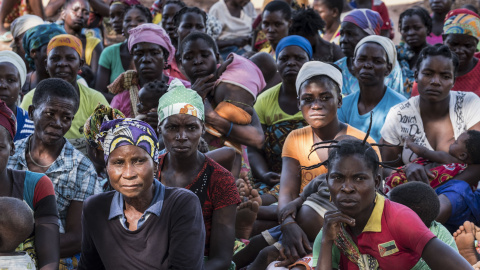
330 199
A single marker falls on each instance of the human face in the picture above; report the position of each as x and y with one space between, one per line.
117 13
458 148
198 59
352 185
76 15
39 55
435 78
440 6
464 46
9 84
167 19
414 31
97 157
290 60
7 148
328 15
130 170
318 103
181 134
52 119
275 26
149 61
18 47
370 65
350 35
133 18
189 23
64 63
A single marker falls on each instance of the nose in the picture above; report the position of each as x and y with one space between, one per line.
435 80
347 187
129 171
181 136
197 60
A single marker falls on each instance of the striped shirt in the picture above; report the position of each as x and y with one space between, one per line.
24 125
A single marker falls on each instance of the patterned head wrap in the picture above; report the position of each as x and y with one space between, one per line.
17 61
101 114
462 21
38 36
180 100
387 45
128 131
294 40
151 33
367 19
66 40
127 3
7 119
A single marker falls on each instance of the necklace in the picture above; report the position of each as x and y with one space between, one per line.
31 158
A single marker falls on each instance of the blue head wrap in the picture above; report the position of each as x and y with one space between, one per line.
294 40
38 36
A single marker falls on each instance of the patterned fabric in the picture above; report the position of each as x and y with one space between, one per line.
441 174
128 131
404 55
38 36
214 27
7 119
180 100
368 20
20 8
101 114
127 81
66 40
151 33
347 246
462 21
72 174
128 2
27 246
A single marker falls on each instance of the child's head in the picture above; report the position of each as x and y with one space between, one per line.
198 55
329 10
441 6
419 197
307 23
149 95
189 20
467 147
16 223
170 8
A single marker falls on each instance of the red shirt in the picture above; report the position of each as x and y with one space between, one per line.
394 235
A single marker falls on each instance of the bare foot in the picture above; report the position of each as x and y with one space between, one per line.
244 189
465 240
246 216
254 196
476 266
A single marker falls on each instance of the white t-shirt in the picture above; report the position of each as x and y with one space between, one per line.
17 262
233 27
404 120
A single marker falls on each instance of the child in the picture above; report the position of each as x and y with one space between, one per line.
148 97
440 10
16 224
233 93
442 165
330 11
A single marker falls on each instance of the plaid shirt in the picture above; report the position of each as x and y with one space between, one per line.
72 174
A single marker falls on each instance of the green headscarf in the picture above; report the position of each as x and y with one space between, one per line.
180 100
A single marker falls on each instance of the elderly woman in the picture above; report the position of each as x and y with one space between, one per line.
373 60
432 120
356 25
461 33
35 42
181 123
64 61
12 77
152 51
36 190
47 151
142 224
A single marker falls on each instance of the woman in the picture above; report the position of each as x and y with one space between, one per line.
35 43
152 51
12 75
75 16
432 121
279 114
170 8
307 23
369 231
117 12
415 25
461 33
276 19
116 59
141 224
181 123
356 25
47 151
37 191
63 62
366 109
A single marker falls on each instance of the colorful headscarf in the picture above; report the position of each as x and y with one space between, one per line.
294 40
243 73
127 3
180 100
66 40
367 19
7 119
17 61
387 45
462 21
128 131
101 114
38 36
151 33
317 68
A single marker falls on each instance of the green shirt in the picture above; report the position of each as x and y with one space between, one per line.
111 59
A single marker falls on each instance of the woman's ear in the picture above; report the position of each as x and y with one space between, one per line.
31 110
12 148
389 69
378 181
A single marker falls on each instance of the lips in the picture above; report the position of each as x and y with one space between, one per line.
131 186
347 203
181 149
366 75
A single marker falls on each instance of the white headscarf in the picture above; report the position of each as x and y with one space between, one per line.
317 68
21 24
387 45
13 58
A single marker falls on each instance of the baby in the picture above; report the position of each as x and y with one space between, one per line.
148 97
16 225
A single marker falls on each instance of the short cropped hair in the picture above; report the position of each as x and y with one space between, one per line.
280 6
16 223
195 36
55 88
177 18
436 50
